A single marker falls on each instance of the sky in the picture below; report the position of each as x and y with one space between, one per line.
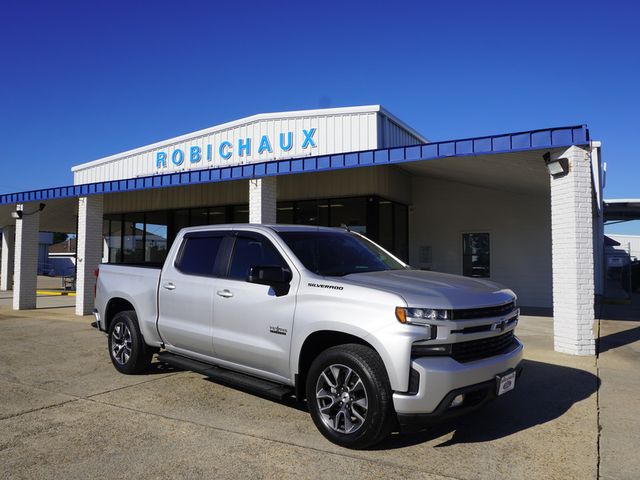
80 80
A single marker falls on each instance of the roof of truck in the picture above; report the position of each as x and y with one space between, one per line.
260 226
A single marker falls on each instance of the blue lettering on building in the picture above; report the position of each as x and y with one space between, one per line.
161 160
287 141
264 145
244 146
195 154
177 157
224 150
289 144
308 138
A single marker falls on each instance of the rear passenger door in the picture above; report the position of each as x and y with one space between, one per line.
252 326
185 297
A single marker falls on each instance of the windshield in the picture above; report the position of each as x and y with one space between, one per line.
338 253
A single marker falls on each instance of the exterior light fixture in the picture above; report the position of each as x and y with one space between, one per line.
557 167
18 214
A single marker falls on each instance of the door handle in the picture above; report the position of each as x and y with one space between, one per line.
169 286
225 293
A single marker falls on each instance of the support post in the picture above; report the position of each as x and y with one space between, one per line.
25 281
262 200
8 255
89 251
572 253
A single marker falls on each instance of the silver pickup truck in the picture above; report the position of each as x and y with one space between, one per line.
320 313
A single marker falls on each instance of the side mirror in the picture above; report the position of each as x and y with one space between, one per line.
277 278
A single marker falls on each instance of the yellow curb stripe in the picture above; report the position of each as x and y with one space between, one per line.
55 294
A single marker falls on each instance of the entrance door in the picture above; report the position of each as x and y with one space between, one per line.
253 326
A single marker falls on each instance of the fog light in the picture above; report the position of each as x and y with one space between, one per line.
457 401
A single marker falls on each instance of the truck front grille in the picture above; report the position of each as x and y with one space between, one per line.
483 348
484 312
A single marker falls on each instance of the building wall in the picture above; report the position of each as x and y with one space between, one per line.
387 181
223 193
519 228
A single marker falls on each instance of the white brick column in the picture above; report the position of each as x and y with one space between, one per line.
8 253
25 278
572 251
89 251
262 200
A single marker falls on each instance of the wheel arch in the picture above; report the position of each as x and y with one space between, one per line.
115 306
316 343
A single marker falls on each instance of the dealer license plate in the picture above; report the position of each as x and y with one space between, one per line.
505 382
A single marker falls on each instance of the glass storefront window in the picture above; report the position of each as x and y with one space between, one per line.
180 221
312 212
155 237
385 224
132 241
240 214
284 213
114 240
351 212
217 215
401 231
199 216
147 237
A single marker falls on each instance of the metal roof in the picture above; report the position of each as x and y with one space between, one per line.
621 209
503 143
252 119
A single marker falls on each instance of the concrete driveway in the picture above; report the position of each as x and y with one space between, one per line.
66 413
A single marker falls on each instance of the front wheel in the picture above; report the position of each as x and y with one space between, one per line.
349 396
127 350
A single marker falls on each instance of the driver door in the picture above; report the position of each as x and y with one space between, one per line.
252 325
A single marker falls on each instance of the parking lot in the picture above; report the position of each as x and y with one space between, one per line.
66 413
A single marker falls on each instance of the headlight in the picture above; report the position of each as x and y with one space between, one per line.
420 316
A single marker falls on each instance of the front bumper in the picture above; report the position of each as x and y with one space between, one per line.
475 397
441 377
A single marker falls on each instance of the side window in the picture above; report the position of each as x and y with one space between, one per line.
476 255
199 255
251 252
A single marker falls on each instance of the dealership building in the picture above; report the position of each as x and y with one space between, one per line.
523 209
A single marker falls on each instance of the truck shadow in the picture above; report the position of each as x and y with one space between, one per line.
544 392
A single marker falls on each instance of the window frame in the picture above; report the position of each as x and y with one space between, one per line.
219 255
251 235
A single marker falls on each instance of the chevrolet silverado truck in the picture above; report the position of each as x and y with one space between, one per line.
322 314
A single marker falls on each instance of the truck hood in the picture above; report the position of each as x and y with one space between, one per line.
434 290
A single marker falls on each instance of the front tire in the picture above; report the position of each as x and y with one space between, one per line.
349 396
127 350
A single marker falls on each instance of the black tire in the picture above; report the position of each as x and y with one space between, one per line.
367 426
127 350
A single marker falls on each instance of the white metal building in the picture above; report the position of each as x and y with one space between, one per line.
523 209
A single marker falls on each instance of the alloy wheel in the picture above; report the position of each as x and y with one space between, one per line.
342 399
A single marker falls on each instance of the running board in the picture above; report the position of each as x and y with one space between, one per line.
242 381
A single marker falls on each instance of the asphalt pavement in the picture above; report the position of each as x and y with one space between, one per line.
66 413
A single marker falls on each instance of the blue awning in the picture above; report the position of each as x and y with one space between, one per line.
494 144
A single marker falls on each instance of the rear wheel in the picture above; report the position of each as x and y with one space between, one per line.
349 396
127 350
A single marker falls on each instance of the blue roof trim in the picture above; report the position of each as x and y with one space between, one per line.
505 143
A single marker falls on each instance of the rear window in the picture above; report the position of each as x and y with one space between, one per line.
199 255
